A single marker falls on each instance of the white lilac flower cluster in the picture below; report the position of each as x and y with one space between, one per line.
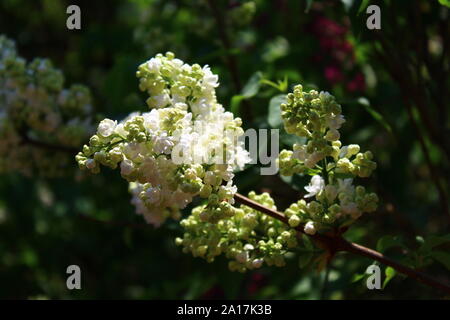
249 238
36 112
336 201
186 146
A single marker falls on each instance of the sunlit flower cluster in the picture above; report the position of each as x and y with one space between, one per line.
186 146
336 202
37 111
248 239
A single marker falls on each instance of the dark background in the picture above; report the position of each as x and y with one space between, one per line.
393 84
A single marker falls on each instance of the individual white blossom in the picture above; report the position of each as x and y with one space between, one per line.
257 263
126 167
315 186
162 143
335 121
310 228
346 186
106 127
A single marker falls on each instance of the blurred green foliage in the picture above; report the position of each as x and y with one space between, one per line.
259 49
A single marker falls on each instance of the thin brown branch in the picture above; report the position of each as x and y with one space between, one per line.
336 243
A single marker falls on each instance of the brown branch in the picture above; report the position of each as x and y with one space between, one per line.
336 243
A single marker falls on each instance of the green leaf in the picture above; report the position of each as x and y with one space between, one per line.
389 241
274 114
307 242
304 259
357 277
343 175
234 104
250 89
312 172
390 273
128 237
282 85
291 139
308 5
294 181
442 257
434 241
363 6
375 114
198 286
445 3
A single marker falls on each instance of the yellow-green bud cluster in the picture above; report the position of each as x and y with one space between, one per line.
313 115
317 116
168 80
335 205
35 107
249 238
350 161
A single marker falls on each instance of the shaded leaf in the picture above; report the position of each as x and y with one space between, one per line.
322 261
343 175
250 89
307 242
291 139
363 6
304 259
274 114
308 5
388 242
445 3
375 114
294 181
434 241
357 277
442 257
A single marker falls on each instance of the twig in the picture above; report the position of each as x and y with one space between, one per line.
336 243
